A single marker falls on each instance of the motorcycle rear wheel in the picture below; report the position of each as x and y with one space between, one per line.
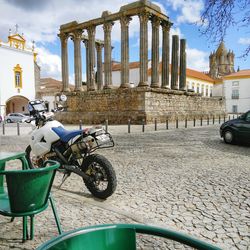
103 176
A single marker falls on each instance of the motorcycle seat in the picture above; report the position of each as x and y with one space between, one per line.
65 135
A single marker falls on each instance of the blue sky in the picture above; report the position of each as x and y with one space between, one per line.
40 21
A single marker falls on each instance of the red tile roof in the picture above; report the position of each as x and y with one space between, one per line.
240 74
190 72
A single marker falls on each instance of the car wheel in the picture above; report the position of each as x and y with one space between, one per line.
8 121
228 137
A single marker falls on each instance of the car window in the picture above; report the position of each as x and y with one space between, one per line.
248 117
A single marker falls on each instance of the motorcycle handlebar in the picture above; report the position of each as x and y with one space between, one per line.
44 116
48 115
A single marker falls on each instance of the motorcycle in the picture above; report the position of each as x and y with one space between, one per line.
72 149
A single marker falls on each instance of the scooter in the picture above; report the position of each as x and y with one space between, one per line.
73 149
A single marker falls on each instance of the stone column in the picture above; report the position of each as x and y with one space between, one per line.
91 58
143 49
182 73
99 79
155 52
107 27
165 54
125 51
174 68
87 63
65 65
77 36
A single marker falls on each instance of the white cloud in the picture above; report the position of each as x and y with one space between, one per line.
244 41
190 10
42 24
197 59
50 63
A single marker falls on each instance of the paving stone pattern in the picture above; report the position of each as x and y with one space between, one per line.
187 180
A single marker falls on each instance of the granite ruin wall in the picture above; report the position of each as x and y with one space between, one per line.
136 104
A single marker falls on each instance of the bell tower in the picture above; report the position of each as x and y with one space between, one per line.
221 62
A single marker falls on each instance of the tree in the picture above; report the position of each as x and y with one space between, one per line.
219 15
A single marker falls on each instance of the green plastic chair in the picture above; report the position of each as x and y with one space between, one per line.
28 193
117 236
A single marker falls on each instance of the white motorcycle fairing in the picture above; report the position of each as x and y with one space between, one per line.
42 138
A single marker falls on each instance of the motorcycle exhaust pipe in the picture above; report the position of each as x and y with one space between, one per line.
72 168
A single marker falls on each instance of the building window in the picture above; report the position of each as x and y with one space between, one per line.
202 90
193 86
235 94
206 90
198 88
18 76
235 109
211 93
235 84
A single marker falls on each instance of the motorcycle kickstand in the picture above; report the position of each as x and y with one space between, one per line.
65 176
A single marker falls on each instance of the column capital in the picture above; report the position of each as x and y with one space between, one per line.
99 46
63 37
156 21
77 34
144 16
125 20
107 26
166 25
91 30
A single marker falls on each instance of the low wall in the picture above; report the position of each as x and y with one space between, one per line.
136 104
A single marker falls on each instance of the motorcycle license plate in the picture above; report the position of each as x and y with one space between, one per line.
102 138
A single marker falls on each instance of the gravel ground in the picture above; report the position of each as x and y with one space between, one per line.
182 179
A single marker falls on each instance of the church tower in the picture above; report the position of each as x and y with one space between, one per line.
221 62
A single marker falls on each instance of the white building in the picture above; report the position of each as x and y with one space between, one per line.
195 80
236 90
19 74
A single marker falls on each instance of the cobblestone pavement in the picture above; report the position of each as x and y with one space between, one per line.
184 179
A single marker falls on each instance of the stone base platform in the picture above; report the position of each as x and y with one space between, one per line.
119 105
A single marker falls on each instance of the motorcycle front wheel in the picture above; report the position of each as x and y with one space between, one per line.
103 179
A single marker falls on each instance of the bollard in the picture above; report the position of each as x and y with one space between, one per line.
213 119
208 120
155 124
166 124
194 122
3 128
219 119
185 122
129 122
18 128
106 125
177 123
80 124
143 125
201 121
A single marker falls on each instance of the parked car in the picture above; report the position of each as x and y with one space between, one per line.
236 130
16 117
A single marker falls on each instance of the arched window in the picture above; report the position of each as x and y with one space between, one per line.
18 76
